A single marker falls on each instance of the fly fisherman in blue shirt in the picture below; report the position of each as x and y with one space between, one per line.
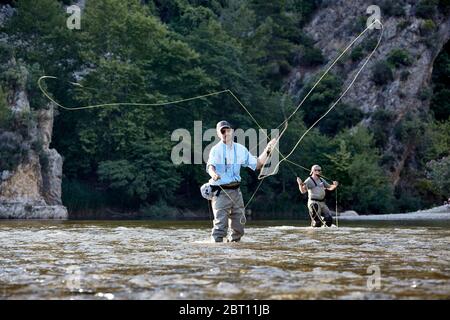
224 165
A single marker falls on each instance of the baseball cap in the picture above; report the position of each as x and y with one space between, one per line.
223 124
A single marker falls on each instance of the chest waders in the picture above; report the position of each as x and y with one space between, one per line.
219 188
315 210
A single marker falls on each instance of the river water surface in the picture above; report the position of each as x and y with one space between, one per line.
174 260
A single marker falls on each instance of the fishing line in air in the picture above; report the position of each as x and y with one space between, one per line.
284 124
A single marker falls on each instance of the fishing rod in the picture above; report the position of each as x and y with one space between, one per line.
285 123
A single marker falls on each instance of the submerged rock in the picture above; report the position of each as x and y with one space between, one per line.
348 213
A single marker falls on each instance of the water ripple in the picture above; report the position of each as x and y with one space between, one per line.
173 260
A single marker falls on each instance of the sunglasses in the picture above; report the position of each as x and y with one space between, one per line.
222 131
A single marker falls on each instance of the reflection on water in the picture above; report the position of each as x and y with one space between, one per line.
174 260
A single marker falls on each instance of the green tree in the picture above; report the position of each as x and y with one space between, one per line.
238 19
426 9
340 163
14 150
410 129
440 102
439 173
371 190
382 73
278 39
5 113
380 127
147 174
399 57
364 186
392 8
272 52
435 142
321 99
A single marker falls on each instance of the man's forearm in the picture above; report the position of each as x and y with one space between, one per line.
212 171
263 158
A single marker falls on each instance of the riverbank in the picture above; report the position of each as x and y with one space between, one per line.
436 213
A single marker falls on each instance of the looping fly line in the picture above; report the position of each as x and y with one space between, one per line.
284 124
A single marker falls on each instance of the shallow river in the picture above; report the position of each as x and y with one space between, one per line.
174 260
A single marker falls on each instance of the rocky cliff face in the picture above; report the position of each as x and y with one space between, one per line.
30 188
337 23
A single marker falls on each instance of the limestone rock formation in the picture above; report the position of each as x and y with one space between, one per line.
30 187
333 28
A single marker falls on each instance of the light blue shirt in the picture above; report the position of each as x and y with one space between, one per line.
228 161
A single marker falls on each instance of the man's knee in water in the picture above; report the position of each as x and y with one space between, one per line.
328 220
316 223
314 214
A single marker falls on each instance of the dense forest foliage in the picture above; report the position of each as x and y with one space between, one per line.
163 50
